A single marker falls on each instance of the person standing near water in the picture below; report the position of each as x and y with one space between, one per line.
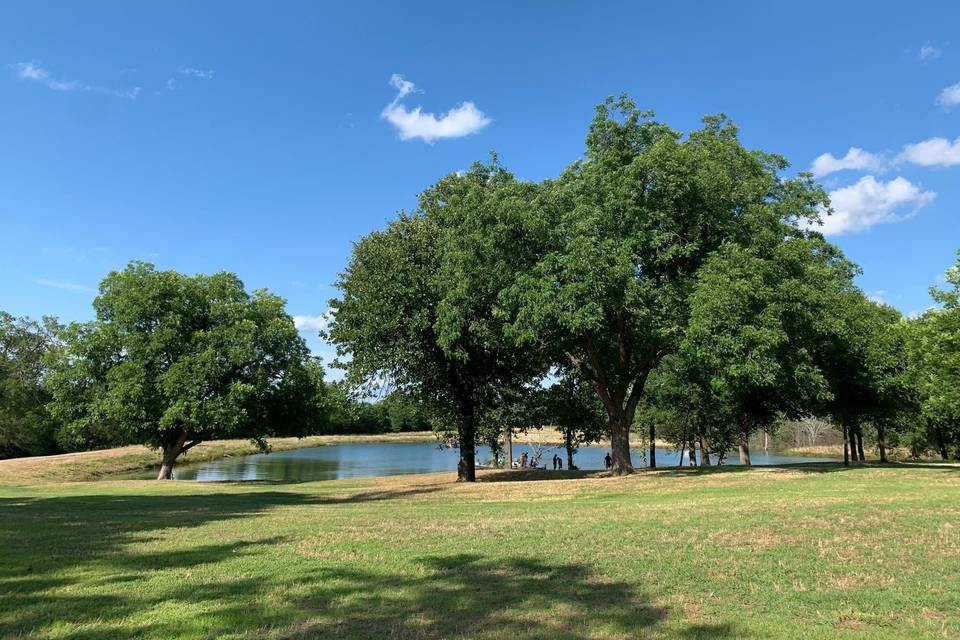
607 461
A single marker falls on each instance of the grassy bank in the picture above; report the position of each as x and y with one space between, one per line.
814 551
111 463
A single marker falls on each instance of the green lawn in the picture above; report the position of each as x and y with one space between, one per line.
811 552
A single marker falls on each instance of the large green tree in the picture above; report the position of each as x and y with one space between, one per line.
625 232
25 426
418 302
934 366
172 360
760 314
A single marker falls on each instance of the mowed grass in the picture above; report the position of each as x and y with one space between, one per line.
814 551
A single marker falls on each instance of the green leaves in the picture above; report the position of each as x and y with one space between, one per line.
174 357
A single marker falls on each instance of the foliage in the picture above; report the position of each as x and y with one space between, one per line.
934 349
572 406
418 301
25 426
173 360
625 232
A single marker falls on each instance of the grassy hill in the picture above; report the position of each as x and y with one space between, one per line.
812 551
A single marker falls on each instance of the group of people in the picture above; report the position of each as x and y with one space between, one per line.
525 462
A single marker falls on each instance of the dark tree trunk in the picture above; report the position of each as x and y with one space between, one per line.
467 467
846 445
653 446
863 458
683 447
568 445
620 445
941 443
745 448
882 442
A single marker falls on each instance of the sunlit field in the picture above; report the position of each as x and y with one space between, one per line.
812 551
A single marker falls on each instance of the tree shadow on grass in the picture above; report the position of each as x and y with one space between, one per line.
469 596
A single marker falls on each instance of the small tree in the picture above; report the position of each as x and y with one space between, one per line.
571 405
172 360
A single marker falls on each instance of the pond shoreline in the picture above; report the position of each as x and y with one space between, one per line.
103 464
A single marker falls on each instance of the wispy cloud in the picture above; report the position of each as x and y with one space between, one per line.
462 120
312 324
61 284
869 202
193 72
950 96
929 52
33 72
855 159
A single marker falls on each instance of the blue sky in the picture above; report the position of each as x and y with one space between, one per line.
265 138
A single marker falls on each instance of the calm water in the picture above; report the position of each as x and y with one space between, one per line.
386 459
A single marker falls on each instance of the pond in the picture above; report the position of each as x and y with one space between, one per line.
364 460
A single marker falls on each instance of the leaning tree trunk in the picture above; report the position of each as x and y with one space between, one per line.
882 443
862 457
745 448
169 452
467 467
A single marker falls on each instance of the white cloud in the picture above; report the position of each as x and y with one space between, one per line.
950 96
34 72
312 324
60 284
929 52
460 121
855 159
193 72
870 202
935 152
879 296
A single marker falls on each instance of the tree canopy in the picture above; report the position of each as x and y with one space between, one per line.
172 360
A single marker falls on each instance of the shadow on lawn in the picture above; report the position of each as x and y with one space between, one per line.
95 567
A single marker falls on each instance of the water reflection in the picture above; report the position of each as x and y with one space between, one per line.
363 460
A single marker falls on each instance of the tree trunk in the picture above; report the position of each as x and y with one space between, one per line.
881 443
704 454
745 447
846 445
508 447
941 443
169 452
692 447
620 445
863 458
653 446
766 441
467 467
683 447
568 445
